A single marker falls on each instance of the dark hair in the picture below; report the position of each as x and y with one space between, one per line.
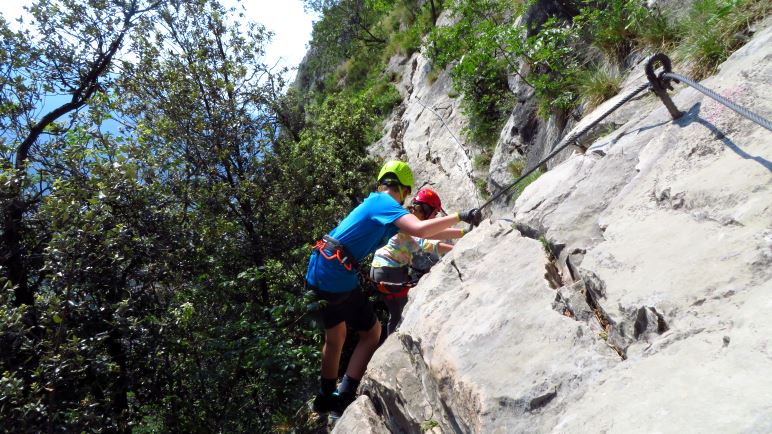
389 179
425 208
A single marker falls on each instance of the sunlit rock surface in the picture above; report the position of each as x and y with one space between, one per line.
630 294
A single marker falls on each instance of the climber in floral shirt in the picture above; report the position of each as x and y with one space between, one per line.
390 268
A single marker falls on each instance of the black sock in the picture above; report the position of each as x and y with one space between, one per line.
348 385
328 385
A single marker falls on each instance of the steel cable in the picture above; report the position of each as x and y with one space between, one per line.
658 85
468 173
568 141
737 108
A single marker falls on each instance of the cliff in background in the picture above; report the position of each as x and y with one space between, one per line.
625 290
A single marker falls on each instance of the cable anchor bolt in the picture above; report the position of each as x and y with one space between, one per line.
660 84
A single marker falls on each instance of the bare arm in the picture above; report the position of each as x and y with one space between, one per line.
448 233
411 225
444 247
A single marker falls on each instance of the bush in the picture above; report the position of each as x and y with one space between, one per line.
658 32
480 69
618 26
432 76
613 25
405 42
482 161
384 97
599 84
528 180
714 29
482 187
516 168
555 65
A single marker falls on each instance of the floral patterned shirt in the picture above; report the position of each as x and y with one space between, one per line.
398 252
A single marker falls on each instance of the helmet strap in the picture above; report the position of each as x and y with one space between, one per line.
402 195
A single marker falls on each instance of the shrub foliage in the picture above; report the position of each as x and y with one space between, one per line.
155 225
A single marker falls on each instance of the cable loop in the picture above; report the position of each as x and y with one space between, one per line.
658 80
659 84
665 80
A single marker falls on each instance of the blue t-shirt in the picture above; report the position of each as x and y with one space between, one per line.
368 227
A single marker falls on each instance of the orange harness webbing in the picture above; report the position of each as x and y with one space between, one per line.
394 290
340 254
390 295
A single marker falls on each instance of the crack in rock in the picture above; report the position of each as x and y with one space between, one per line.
455 266
664 197
648 320
573 261
571 301
398 411
579 301
533 401
578 292
555 275
543 400
552 274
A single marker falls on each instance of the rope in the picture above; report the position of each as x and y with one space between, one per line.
441 120
568 141
468 173
737 108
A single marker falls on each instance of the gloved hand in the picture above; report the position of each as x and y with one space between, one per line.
473 216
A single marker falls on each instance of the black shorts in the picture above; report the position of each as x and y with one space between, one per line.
352 307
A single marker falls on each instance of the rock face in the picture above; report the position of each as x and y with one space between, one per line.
425 131
630 294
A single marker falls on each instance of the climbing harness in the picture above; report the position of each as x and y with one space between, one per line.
340 252
393 291
659 84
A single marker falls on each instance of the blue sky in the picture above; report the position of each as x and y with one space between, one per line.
285 18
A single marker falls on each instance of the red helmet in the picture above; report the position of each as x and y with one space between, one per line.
429 197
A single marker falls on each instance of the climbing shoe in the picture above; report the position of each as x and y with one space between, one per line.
326 403
344 400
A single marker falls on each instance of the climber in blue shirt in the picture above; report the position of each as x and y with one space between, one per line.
362 232
332 274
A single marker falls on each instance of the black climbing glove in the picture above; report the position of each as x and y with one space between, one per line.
473 216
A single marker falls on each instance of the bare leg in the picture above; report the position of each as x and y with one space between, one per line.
368 342
334 337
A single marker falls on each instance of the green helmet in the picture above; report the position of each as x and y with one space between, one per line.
399 168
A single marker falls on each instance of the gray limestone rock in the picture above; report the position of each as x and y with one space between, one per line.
361 417
425 131
481 352
660 245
